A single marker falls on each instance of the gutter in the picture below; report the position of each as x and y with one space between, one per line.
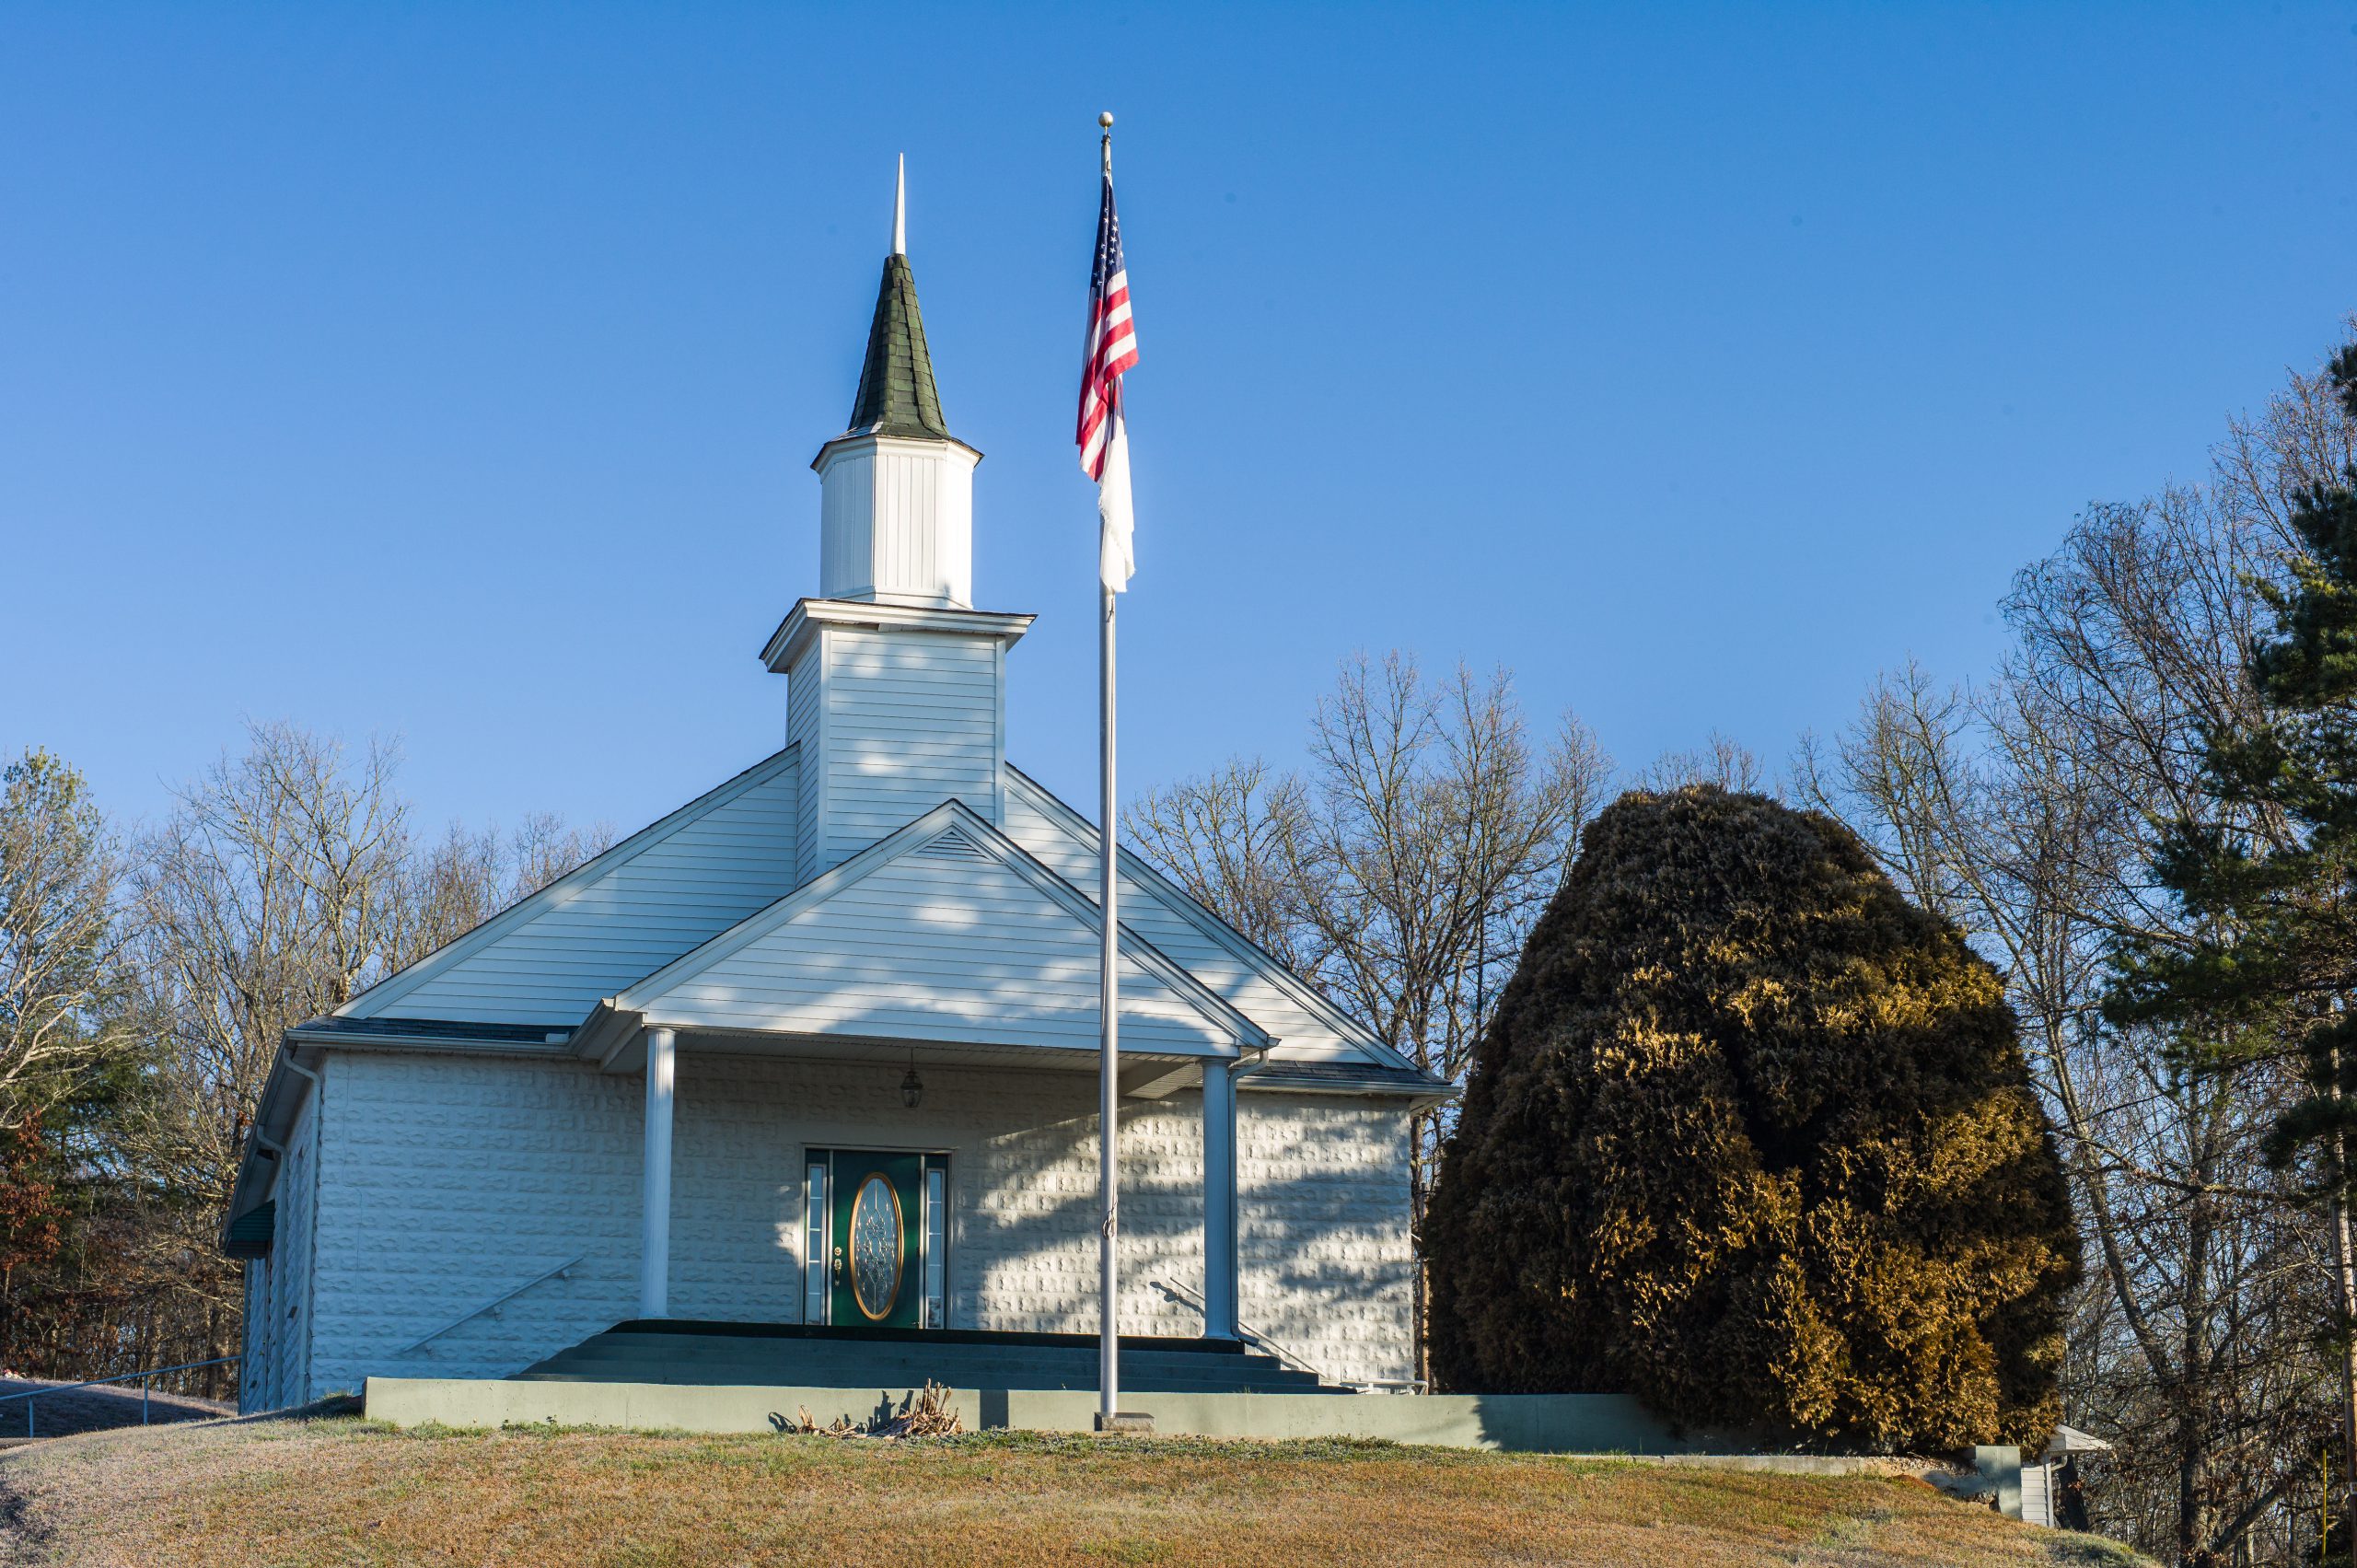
267 1109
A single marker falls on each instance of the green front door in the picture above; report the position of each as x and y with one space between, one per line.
878 1243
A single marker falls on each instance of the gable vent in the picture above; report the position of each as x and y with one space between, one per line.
952 845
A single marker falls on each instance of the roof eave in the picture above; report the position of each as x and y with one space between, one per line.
889 432
808 615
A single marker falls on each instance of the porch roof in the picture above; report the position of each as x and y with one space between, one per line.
947 934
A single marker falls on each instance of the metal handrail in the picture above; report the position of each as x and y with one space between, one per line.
491 1306
1244 1330
29 1395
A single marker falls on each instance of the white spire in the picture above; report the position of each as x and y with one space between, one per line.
901 209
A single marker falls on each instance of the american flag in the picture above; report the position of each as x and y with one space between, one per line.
1112 345
1111 349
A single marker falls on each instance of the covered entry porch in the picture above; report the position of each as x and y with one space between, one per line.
943 947
897 1187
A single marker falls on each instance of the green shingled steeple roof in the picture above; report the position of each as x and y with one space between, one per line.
897 396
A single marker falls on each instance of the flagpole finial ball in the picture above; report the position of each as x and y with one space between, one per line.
1106 120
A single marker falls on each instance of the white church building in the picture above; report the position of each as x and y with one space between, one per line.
812 1062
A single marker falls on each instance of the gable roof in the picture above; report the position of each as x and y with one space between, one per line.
946 931
1307 1024
547 959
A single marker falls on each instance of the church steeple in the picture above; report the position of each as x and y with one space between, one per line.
897 693
897 395
897 490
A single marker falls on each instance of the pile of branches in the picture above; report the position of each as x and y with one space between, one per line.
929 1415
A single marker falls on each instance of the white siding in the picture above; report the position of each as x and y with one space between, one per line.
805 732
2037 1493
891 723
847 525
1249 984
254 1340
945 942
896 522
277 1339
450 1179
591 939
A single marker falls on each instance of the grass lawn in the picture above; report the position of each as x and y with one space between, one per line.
342 1491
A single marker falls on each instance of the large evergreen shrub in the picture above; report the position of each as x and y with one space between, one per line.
1752 1138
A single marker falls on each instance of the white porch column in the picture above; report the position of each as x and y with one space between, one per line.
1219 1200
654 1182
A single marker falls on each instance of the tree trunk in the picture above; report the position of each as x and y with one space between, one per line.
2344 1281
2193 1528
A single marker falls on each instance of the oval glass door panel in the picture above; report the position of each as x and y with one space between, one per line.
876 1247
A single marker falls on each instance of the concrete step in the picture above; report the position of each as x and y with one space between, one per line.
961 1371
814 1351
1130 1384
1030 1344
671 1351
832 1334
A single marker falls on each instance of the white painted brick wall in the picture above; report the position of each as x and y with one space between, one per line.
1327 1265
447 1180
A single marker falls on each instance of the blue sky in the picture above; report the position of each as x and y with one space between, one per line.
451 372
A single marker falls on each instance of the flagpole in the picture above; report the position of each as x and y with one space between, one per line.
1109 1351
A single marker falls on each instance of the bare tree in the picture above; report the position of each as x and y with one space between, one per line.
1403 869
284 883
1233 838
2024 810
1719 760
271 895
2191 1347
58 875
470 874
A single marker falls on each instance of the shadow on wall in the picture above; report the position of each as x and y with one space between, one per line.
1316 1273
1323 1270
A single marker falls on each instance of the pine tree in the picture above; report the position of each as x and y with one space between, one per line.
1753 1138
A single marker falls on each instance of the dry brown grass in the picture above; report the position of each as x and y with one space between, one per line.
343 1492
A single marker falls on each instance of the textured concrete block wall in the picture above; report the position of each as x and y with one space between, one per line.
448 1180
1326 1263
